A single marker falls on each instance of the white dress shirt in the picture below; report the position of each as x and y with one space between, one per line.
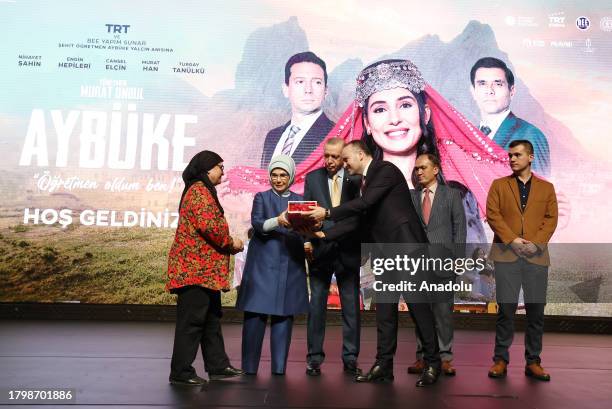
494 122
304 125
330 181
365 172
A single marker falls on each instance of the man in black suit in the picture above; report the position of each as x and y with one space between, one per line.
387 216
441 212
306 87
330 186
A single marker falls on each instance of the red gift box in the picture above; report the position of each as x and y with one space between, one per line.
297 219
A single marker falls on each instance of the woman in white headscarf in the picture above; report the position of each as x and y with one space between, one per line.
274 279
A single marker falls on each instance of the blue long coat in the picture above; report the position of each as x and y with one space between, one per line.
274 277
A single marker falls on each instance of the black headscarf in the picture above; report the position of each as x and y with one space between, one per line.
196 171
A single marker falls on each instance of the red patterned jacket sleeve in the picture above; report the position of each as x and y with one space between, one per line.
207 217
200 253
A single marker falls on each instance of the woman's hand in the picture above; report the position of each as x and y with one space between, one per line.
283 220
237 245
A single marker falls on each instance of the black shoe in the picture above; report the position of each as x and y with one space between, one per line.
352 369
313 369
228 372
193 381
376 375
429 376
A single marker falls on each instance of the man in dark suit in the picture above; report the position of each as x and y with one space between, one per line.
306 87
387 216
493 89
522 212
330 186
440 209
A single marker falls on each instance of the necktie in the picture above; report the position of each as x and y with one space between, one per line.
293 130
362 188
426 206
335 193
485 130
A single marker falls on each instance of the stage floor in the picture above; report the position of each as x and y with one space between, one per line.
126 364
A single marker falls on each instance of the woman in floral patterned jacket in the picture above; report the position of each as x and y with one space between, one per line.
198 270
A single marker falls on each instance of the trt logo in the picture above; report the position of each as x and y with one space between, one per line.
556 20
117 28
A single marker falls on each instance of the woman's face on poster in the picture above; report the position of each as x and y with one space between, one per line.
480 254
393 120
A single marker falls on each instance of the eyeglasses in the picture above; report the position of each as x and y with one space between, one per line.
221 167
283 176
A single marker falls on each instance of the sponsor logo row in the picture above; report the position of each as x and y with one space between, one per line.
585 45
559 20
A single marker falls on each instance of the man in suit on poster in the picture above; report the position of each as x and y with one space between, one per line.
522 212
387 216
440 209
331 186
493 89
306 87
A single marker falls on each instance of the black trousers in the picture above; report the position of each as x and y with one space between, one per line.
198 314
386 331
348 287
509 278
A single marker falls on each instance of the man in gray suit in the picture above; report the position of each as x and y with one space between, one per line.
441 212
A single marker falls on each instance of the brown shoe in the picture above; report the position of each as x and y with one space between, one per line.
536 371
417 367
447 368
499 369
